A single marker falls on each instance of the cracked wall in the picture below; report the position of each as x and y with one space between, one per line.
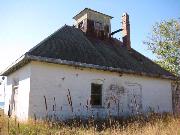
122 95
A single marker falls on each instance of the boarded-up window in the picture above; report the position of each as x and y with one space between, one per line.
96 94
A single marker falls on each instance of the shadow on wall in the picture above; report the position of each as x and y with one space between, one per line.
12 110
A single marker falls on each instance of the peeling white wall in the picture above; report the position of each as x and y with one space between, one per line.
22 102
38 79
52 80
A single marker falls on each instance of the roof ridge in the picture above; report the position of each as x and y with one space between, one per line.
47 38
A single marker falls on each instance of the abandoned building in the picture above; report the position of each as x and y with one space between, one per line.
82 70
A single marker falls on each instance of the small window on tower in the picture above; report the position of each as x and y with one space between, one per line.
106 28
99 26
80 25
96 94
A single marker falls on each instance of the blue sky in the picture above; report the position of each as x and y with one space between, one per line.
25 23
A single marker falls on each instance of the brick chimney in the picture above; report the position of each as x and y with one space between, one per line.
126 31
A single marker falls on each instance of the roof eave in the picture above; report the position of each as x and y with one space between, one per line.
15 65
85 65
27 58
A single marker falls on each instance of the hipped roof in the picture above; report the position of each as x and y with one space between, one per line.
70 46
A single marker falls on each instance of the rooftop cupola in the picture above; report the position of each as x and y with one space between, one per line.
93 23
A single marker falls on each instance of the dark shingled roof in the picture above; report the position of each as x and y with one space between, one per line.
71 44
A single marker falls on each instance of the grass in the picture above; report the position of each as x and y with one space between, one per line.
153 124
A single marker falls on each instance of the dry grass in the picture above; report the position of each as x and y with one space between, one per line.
152 125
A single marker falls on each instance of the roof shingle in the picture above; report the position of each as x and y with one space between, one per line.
71 44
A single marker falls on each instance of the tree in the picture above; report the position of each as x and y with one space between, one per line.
164 41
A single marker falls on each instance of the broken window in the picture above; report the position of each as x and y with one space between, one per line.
80 25
106 28
96 94
99 26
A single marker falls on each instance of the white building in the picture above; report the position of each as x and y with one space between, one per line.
82 70
2 89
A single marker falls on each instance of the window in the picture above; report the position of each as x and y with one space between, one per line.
80 25
106 28
99 26
14 96
96 94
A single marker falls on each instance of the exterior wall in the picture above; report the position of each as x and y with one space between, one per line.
52 81
90 19
2 87
98 17
94 16
22 93
84 17
176 96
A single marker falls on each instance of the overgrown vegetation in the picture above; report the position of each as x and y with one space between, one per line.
164 42
153 124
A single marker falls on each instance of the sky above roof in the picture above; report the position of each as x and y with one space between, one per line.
23 24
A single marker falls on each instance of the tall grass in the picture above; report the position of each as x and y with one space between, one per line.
154 124
151 124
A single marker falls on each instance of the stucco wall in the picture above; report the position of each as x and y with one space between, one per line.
22 92
52 81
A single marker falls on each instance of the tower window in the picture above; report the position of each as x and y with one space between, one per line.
80 25
99 26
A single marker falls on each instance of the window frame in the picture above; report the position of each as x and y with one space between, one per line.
99 94
81 24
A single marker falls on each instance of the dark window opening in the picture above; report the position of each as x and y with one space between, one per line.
106 28
96 94
80 25
99 26
90 28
